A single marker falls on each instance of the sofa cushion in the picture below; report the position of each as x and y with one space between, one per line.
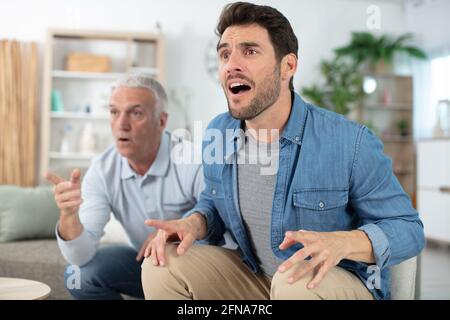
27 213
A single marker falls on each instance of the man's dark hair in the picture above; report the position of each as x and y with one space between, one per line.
277 25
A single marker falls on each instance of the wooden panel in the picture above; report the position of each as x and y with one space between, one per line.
18 72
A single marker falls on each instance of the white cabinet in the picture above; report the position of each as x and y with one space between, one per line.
434 163
434 187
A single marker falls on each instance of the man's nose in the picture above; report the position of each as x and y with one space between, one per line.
123 122
234 63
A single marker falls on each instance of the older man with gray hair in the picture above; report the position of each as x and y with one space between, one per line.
135 179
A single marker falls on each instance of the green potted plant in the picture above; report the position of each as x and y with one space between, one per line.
344 73
342 87
403 127
378 51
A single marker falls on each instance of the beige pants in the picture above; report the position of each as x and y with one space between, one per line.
214 273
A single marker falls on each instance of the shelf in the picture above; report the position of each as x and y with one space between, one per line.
397 139
62 74
403 172
77 116
388 75
389 107
71 156
104 35
431 139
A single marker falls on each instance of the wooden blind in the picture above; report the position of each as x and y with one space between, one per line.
18 112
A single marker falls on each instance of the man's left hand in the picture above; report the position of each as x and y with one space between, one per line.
140 255
326 250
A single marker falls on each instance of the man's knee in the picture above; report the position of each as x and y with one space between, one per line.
282 290
338 284
157 280
92 276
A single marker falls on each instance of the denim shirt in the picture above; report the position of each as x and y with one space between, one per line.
332 176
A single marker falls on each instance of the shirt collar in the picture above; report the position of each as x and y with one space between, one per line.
293 130
160 164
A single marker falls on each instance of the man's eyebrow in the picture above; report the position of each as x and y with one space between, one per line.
245 44
249 44
129 107
222 45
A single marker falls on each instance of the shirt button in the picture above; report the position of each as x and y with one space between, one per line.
321 205
213 191
297 138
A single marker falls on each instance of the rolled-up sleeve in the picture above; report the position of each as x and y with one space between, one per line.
385 211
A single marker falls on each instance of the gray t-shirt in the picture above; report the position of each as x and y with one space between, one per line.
256 185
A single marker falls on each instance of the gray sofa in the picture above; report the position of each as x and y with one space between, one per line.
38 260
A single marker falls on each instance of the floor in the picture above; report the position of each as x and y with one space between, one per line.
435 273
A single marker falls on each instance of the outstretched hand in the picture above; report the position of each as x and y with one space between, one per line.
325 250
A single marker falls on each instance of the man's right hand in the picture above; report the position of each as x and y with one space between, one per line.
67 192
185 230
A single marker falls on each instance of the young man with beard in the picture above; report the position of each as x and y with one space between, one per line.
316 227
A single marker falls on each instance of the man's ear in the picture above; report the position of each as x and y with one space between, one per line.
288 66
163 117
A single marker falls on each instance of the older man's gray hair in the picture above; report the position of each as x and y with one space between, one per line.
145 82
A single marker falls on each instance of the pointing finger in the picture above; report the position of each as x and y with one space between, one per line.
75 176
301 236
53 178
287 242
161 224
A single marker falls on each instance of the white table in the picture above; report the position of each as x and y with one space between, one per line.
23 289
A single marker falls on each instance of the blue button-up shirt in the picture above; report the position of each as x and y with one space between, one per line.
332 176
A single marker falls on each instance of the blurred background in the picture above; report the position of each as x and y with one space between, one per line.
385 64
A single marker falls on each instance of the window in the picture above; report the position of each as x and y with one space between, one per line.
440 79
440 94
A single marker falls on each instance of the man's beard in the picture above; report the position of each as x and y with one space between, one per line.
266 96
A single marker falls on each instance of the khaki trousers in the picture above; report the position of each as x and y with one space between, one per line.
214 273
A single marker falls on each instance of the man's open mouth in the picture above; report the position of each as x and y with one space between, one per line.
239 87
123 140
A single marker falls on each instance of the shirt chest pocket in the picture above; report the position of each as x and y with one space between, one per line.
321 209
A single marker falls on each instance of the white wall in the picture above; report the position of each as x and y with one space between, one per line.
320 25
430 22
